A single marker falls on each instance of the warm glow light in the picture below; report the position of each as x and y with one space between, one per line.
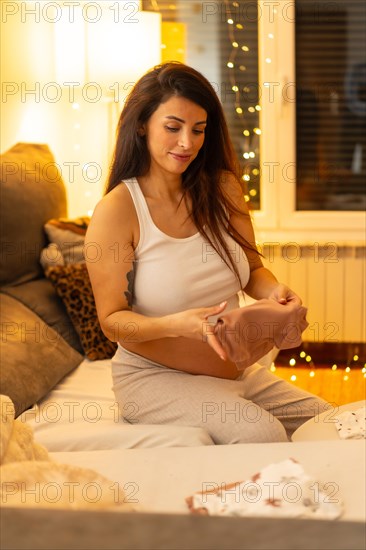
230 21
105 51
122 52
70 55
347 369
34 126
174 37
292 362
355 357
293 378
334 367
311 374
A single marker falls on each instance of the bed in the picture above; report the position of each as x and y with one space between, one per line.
159 468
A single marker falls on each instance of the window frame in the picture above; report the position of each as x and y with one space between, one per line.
278 220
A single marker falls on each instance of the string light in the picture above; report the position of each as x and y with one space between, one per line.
244 107
303 360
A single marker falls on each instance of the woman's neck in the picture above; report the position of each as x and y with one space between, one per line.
161 186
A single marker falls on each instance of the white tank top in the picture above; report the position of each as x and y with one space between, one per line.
172 275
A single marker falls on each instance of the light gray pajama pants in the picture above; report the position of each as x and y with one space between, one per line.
256 407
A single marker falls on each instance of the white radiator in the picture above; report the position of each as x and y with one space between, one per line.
331 281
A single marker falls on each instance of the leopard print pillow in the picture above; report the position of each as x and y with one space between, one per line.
73 285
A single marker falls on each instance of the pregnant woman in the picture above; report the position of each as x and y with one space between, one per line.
177 245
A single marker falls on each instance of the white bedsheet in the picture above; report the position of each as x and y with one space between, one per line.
80 414
159 480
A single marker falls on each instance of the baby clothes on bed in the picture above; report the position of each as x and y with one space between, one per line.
248 333
281 489
351 424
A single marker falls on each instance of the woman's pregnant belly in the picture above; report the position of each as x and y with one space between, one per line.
186 355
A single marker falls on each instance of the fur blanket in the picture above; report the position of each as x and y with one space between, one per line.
30 478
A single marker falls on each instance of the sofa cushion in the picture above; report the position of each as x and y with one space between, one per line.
34 357
73 285
41 297
32 192
68 235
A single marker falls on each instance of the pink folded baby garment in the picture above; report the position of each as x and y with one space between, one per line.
248 333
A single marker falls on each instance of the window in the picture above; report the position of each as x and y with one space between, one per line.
302 181
330 46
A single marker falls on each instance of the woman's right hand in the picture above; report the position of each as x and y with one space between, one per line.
193 323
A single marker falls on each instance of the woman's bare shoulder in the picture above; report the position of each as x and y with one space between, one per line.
114 203
115 211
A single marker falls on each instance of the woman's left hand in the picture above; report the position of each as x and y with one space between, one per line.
283 294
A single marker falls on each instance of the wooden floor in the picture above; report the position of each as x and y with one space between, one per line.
335 386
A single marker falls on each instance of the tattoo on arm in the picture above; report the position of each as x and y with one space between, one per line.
129 294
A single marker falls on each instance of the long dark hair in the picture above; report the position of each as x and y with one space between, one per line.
204 179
